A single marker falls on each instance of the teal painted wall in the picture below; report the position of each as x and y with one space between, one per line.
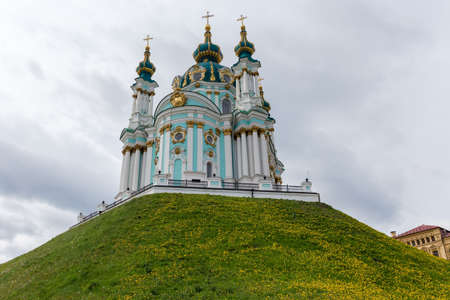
177 169
194 163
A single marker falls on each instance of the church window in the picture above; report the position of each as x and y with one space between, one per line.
178 136
209 169
209 139
428 239
197 76
436 253
226 106
432 238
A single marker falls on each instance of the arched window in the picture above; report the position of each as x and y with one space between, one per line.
226 106
208 169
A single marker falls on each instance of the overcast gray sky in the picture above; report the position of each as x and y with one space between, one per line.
359 89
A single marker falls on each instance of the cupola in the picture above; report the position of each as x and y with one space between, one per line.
146 69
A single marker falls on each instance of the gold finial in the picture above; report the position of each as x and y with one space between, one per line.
148 39
241 19
207 16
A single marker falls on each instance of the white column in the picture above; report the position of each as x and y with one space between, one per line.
166 150
133 109
238 89
190 145
256 152
148 163
150 103
239 155
244 82
264 155
160 153
143 167
251 83
244 153
251 165
199 147
131 172
121 172
228 154
125 171
137 156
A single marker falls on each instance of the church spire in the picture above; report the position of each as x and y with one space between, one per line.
207 51
146 68
244 48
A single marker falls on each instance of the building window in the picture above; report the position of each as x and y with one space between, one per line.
226 106
413 243
423 241
209 169
409 244
432 238
428 239
418 242
436 253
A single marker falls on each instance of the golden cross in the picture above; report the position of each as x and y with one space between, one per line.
207 17
147 39
241 19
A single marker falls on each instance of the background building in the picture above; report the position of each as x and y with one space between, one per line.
432 239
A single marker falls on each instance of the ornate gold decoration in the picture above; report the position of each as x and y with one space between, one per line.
177 150
134 96
178 98
190 124
216 93
127 148
209 92
200 124
213 138
177 130
212 77
211 154
150 143
197 70
155 160
162 129
227 87
157 144
197 85
225 72
241 19
227 131
217 131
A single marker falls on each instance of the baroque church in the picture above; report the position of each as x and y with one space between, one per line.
214 127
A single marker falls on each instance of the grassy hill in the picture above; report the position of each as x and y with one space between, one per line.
173 246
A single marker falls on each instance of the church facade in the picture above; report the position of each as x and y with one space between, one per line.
214 127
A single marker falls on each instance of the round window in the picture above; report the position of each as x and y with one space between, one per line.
178 136
209 139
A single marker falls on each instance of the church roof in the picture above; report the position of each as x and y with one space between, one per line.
244 48
417 229
207 51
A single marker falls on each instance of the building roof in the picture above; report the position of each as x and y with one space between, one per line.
420 228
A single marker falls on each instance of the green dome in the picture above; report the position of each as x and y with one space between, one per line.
244 48
146 69
207 51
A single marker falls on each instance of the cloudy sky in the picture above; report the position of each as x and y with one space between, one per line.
359 88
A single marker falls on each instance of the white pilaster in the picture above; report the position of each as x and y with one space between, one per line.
137 156
126 170
199 147
190 145
150 104
131 171
148 162
238 89
160 153
251 165
239 156
228 154
244 83
244 153
256 152
143 167
264 155
166 150
121 172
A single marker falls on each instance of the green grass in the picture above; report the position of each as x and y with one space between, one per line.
173 246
